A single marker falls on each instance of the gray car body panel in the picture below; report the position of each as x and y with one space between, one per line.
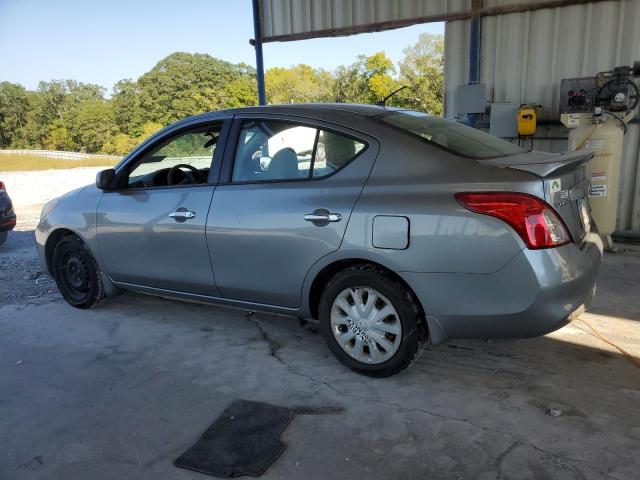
472 274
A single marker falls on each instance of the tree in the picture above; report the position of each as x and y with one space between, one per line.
368 80
121 143
92 125
422 69
126 102
59 97
59 137
297 84
185 84
15 105
70 115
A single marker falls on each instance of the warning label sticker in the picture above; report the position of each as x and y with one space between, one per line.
594 144
573 120
598 191
555 185
595 176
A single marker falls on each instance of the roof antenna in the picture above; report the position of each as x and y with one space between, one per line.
383 102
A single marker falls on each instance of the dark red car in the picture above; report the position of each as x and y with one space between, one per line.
7 214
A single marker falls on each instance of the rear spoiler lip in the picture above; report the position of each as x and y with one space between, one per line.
550 163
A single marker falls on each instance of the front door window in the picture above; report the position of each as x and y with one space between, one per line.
183 160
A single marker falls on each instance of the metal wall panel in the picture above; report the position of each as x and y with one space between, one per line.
295 19
525 55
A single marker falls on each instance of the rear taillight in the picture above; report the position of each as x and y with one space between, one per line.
534 219
2 188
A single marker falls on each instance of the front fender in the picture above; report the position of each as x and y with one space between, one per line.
74 212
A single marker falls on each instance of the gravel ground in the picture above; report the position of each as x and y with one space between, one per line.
38 187
21 277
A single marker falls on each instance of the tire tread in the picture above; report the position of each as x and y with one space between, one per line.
99 294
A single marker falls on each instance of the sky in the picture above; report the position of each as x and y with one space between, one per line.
105 41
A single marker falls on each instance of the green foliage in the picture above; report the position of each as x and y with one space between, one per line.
422 69
183 84
298 84
91 125
127 107
368 80
14 106
69 115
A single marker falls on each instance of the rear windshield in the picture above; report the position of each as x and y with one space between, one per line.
450 135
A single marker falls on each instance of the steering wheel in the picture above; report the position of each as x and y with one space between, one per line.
197 176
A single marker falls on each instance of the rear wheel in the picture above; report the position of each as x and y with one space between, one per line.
76 273
371 322
3 237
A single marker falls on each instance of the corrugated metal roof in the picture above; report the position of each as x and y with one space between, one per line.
285 20
525 55
297 19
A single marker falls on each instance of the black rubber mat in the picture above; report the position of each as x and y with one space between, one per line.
244 440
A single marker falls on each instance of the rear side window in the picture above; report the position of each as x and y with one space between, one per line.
282 151
333 152
451 135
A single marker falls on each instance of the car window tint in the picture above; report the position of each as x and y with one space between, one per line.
451 135
273 150
195 148
333 152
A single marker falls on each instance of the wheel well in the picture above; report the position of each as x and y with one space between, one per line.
53 239
315 292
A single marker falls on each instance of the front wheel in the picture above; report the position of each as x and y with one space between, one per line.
371 322
76 273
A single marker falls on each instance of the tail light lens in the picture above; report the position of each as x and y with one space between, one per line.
2 187
535 220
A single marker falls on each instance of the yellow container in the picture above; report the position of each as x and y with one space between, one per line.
527 121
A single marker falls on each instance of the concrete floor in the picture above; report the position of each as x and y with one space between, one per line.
121 391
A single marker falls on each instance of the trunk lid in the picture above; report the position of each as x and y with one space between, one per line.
566 186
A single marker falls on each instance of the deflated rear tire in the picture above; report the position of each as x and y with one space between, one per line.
76 273
371 322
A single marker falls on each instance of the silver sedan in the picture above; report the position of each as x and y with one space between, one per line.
389 227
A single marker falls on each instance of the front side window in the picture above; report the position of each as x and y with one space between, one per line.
451 135
274 150
183 160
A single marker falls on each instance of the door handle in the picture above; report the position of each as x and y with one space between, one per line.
323 217
182 214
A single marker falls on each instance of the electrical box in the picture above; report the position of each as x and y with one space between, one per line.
471 98
503 122
577 95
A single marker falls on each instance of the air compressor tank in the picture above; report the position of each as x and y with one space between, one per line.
597 110
604 136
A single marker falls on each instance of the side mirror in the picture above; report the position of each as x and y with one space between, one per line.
107 179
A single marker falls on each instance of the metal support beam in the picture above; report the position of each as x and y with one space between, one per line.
474 43
257 44
475 23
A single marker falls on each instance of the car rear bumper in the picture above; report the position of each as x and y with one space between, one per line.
536 292
7 223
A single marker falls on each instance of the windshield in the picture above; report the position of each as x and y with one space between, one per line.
451 135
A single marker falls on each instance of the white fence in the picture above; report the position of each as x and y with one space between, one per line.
60 154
